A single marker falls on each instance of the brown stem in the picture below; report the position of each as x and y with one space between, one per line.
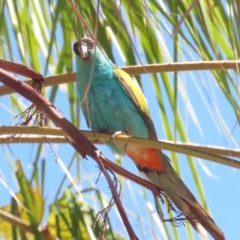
78 141
117 200
103 163
20 69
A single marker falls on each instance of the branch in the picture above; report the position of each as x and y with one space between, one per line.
136 70
15 221
23 225
210 153
20 69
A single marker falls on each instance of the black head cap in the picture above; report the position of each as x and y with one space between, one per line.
87 44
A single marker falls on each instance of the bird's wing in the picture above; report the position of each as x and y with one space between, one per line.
134 92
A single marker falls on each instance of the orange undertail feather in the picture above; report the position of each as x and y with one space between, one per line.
141 156
153 163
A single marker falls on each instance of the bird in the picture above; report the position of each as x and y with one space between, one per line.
113 102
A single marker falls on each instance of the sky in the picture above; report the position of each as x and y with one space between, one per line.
197 93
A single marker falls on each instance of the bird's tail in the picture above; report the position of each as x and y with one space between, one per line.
179 194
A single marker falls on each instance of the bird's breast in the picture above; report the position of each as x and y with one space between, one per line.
110 109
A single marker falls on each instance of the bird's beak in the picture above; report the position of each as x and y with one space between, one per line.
83 50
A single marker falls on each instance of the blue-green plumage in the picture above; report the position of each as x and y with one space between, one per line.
106 105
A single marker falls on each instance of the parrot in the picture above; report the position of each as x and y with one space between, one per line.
113 102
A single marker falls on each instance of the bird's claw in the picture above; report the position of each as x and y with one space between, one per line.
115 135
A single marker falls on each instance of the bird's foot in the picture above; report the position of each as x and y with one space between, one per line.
115 134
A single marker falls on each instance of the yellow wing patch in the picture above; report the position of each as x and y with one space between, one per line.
135 93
